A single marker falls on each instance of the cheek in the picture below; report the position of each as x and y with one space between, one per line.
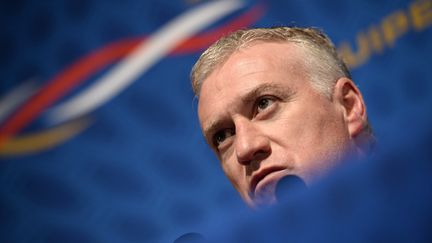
322 134
319 123
314 138
299 128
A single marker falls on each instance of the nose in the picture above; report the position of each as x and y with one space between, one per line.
251 143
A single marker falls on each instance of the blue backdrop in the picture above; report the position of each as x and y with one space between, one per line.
99 137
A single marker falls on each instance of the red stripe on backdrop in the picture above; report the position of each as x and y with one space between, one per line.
82 69
61 84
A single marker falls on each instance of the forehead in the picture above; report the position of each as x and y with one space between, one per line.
254 58
247 68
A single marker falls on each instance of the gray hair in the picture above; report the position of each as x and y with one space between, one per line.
324 65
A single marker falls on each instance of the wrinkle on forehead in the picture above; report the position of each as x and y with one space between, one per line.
252 60
228 75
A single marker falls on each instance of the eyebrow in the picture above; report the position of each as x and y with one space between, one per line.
281 91
249 97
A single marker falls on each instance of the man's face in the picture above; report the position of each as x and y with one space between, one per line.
261 116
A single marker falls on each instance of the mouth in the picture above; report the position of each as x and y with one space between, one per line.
264 179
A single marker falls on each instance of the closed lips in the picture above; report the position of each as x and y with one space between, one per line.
259 176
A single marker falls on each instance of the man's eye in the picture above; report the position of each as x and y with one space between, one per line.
263 103
221 136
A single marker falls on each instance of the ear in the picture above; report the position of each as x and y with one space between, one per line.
348 96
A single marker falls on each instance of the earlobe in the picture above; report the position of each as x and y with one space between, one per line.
352 103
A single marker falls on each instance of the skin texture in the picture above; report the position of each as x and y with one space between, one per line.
264 120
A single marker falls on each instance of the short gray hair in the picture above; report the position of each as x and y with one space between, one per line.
324 65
